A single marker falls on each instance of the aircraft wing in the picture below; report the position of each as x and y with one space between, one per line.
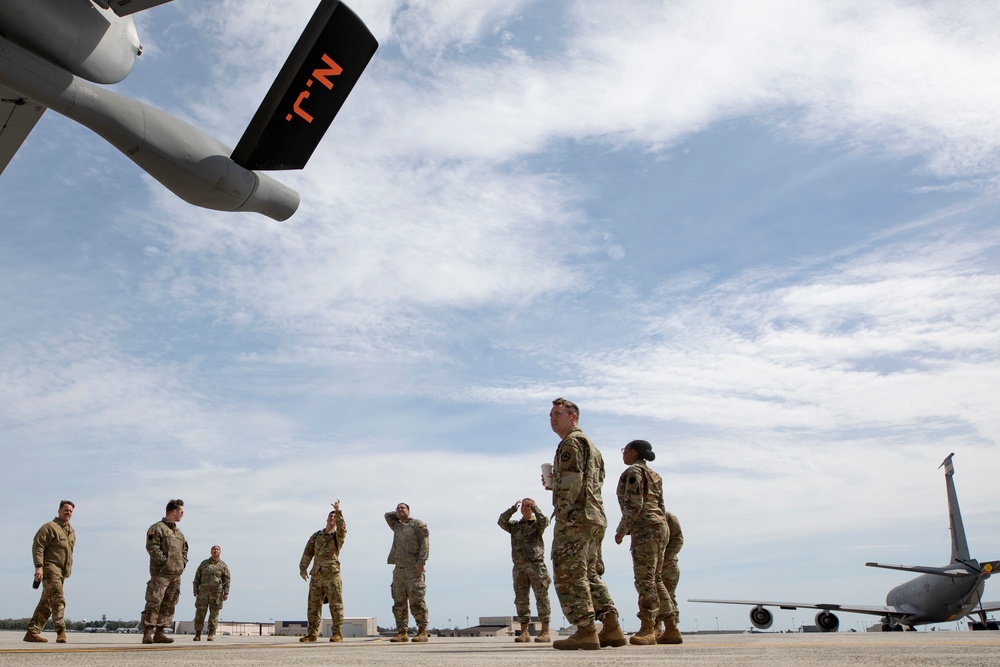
126 7
18 116
852 609
987 606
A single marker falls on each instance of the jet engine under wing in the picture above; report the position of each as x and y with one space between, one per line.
852 609
312 85
18 116
126 7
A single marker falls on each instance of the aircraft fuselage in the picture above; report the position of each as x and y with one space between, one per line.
76 35
932 598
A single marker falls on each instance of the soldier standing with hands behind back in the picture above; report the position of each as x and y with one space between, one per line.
211 589
323 550
52 553
168 556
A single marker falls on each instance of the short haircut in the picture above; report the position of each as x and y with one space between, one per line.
67 502
404 504
569 405
174 504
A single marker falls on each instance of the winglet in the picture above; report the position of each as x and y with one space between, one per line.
313 84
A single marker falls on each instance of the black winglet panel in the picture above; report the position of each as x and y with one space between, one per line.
313 84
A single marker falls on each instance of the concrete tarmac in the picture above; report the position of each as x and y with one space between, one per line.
964 649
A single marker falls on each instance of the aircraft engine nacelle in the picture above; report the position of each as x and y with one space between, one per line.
827 622
190 163
761 618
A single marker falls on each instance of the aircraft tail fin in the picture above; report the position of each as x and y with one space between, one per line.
959 544
313 84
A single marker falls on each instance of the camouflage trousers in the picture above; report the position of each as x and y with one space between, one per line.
210 602
408 588
647 554
325 587
52 603
528 577
162 593
670 574
577 566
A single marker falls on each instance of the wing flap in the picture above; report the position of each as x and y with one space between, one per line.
18 115
126 7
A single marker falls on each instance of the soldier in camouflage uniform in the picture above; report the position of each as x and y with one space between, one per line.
670 575
640 496
527 549
52 554
411 546
168 556
577 565
211 590
323 549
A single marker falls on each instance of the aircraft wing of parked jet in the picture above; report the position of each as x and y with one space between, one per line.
53 51
938 595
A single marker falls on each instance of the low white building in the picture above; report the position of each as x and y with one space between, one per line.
354 626
237 628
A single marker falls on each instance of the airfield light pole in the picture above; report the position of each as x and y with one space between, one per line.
717 624
696 625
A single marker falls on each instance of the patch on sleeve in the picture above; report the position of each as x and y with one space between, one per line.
151 534
564 457
632 480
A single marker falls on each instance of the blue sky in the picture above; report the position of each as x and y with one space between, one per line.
763 238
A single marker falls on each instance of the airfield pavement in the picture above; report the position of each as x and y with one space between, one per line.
968 649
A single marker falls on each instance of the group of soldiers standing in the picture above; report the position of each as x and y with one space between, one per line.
578 474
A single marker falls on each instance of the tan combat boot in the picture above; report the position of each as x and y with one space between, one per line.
543 636
585 638
210 637
311 637
337 636
197 635
30 636
671 635
147 634
61 637
645 636
160 638
658 627
400 636
611 633
421 634
525 636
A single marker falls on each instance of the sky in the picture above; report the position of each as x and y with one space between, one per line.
762 236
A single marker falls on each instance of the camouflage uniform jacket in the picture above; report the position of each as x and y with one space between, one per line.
526 542
212 578
168 550
676 540
323 548
411 541
52 548
577 478
640 495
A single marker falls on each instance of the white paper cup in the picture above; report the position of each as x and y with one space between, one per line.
547 476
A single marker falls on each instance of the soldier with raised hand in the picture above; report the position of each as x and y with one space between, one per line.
640 496
211 590
577 564
411 546
168 556
527 550
323 550
52 554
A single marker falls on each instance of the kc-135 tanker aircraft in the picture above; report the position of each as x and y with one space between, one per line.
52 52
938 595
